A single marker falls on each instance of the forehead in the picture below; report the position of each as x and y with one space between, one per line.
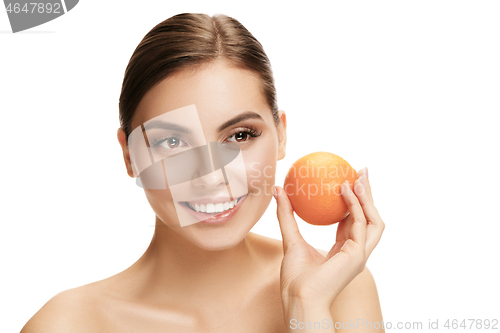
218 90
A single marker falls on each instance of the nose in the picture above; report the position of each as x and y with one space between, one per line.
211 180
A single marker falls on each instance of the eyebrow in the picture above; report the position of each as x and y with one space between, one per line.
174 127
243 116
168 126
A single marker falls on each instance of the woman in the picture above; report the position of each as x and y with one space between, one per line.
204 271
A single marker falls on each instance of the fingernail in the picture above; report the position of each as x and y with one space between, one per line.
275 193
366 172
362 172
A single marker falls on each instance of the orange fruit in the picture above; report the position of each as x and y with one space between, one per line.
313 185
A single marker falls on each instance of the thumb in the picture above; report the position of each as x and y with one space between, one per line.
289 229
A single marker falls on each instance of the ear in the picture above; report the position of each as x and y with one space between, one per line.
126 154
282 134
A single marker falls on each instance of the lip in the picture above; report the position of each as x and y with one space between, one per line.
211 219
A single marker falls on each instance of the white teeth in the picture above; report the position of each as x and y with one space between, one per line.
210 208
214 207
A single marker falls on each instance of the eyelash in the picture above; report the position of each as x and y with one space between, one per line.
250 131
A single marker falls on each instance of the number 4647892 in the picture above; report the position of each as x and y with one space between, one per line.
36 7
472 323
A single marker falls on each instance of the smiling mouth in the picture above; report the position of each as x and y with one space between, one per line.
213 208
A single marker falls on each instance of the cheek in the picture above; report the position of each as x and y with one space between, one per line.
162 203
261 169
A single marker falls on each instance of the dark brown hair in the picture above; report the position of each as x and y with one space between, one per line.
189 40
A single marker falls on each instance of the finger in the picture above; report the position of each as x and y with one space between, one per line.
364 173
358 228
344 229
375 233
375 225
343 233
335 249
289 229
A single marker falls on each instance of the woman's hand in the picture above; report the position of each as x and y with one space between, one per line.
312 280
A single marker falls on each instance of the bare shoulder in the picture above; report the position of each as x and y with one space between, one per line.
359 302
71 310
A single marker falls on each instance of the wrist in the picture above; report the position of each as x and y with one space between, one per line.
302 316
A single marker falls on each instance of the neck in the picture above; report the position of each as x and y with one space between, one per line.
173 268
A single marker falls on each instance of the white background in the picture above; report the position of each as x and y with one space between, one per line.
408 89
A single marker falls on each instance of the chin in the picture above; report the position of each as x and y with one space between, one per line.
214 239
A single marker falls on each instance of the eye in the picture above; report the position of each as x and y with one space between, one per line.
240 136
243 134
170 142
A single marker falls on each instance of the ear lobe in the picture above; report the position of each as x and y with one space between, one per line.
126 154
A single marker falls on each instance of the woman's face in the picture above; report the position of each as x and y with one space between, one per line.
219 93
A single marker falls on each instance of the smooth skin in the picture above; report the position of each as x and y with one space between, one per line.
202 278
